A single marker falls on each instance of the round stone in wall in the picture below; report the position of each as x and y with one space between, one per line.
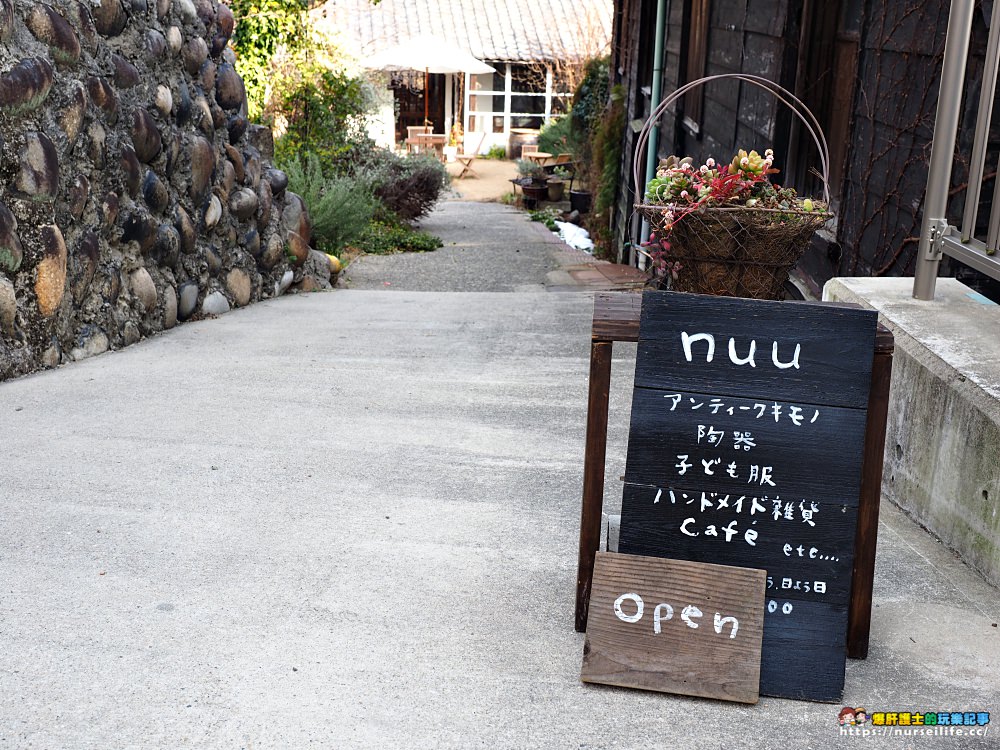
156 44
169 307
229 89
71 117
194 53
25 86
185 228
39 173
215 304
167 247
202 166
213 213
278 181
8 307
110 17
145 136
155 193
52 29
126 75
187 300
86 257
243 203
102 95
79 193
163 100
50 282
6 19
174 39
238 285
143 288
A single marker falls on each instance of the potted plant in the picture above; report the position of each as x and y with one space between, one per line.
533 181
454 139
727 229
557 183
579 200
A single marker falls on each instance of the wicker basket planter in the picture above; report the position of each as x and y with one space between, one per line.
732 249
734 252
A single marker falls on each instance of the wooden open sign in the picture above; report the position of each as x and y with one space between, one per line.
745 448
675 626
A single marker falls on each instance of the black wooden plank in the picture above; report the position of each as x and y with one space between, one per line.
821 553
806 423
835 348
803 653
823 440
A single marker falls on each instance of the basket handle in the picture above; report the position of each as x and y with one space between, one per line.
805 115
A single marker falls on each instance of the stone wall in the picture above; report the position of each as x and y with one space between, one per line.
133 192
942 457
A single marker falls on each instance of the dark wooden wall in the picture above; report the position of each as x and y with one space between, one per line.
899 72
883 173
747 36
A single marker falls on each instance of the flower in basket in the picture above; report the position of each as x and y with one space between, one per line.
664 271
745 182
731 229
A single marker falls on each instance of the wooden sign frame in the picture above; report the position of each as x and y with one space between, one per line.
675 626
616 318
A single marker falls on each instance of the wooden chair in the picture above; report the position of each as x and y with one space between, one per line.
412 142
467 158
528 148
563 159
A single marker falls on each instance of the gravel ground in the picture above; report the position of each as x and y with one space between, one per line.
488 247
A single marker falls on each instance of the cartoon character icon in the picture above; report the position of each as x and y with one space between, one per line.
860 715
846 716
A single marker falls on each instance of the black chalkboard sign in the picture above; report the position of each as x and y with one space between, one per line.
745 448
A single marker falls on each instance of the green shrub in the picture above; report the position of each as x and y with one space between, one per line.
340 207
591 97
547 216
496 152
263 28
327 113
606 148
387 234
532 169
407 186
559 137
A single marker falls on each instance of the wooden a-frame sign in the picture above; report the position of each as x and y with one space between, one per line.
675 626
745 449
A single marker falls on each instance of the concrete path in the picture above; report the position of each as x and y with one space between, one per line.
489 247
349 520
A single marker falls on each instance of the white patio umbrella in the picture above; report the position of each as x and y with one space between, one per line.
430 54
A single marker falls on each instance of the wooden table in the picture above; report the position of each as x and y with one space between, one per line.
431 142
616 318
539 157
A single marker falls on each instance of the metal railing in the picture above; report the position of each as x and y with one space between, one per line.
937 236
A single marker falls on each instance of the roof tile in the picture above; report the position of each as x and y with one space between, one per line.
515 30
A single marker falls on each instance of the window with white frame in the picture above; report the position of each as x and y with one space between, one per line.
516 96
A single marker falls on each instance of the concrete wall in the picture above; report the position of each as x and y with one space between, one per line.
133 192
942 463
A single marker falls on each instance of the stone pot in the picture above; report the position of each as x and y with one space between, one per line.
556 188
534 193
579 200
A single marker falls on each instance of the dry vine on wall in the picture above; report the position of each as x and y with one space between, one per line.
898 81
